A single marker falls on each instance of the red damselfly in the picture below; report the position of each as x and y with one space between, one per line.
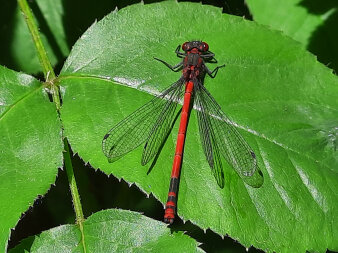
152 123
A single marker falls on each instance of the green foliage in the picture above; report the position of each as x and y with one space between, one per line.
111 231
282 100
30 146
279 97
312 23
20 49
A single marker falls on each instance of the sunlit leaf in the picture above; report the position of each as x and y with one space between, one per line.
110 231
30 146
279 97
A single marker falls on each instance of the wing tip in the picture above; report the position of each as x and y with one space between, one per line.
106 136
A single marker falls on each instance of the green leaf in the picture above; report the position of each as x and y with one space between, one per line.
30 146
21 50
313 23
111 231
281 99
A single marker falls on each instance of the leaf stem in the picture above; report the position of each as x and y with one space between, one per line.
42 54
73 188
50 79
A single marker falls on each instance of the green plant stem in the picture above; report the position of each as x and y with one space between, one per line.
49 77
73 188
42 54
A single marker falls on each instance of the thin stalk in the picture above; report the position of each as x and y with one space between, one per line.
50 79
42 54
73 188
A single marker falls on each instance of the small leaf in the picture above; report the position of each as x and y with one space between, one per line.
111 231
30 146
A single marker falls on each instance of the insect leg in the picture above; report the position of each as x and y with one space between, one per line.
174 68
213 73
178 53
209 57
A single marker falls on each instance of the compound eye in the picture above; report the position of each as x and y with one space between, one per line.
185 46
206 46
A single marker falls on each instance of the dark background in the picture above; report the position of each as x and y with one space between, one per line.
99 191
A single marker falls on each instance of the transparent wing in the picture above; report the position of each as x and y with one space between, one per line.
208 141
162 126
139 126
225 139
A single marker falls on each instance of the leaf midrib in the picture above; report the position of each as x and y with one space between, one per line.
250 131
21 99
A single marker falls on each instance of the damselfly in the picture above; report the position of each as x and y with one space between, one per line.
152 123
